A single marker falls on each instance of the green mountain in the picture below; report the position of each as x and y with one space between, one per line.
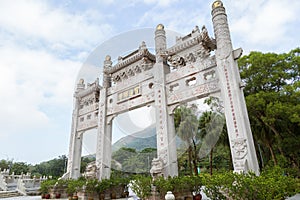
141 140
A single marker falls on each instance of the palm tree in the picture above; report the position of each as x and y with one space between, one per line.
186 124
211 126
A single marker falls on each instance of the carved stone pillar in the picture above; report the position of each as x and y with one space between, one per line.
75 173
239 132
104 132
75 146
166 149
172 162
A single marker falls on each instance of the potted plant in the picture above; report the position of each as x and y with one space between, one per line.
196 185
182 187
91 188
164 185
45 188
57 195
73 186
141 185
102 188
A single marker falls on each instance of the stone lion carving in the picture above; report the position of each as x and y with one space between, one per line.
91 170
157 168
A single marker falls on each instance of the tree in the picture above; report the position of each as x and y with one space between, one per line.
85 161
212 128
55 167
134 164
146 156
5 164
20 167
186 125
123 154
133 161
272 90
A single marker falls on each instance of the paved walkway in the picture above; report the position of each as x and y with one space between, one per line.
296 197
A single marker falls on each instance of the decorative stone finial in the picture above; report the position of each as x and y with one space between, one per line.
107 61
160 27
80 84
81 81
108 58
143 45
216 4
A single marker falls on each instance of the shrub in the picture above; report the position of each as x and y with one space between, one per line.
46 185
271 184
141 186
179 184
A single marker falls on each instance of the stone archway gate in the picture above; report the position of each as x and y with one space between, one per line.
141 79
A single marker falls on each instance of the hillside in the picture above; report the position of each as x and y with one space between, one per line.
141 140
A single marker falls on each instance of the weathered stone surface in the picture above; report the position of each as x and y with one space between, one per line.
183 72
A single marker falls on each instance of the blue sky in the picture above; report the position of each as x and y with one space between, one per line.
43 45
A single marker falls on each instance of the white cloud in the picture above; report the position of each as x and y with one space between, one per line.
39 49
175 18
37 20
160 2
264 24
30 81
255 25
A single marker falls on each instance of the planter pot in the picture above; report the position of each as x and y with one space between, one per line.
75 197
197 197
101 196
183 195
47 196
169 196
113 195
57 196
43 196
126 193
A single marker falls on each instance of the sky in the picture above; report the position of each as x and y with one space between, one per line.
44 45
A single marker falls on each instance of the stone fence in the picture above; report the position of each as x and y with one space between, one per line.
25 184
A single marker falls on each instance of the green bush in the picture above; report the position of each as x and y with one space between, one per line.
141 186
164 185
179 184
73 186
91 185
271 184
46 185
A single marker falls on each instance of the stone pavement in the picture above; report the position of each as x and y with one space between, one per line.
296 197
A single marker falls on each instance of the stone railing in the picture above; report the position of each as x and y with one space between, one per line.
21 187
30 186
3 184
23 183
8 182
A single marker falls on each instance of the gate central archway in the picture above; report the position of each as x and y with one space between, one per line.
142 78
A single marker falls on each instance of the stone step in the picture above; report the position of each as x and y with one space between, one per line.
8 194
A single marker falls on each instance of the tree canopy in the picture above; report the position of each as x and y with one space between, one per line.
272 91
